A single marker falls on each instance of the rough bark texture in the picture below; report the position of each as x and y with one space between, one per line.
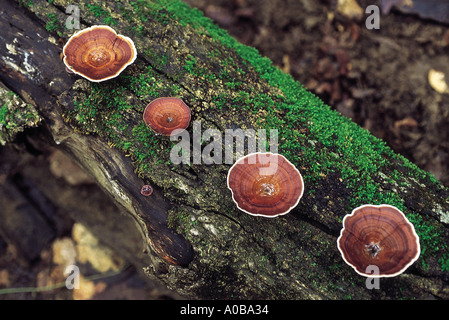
199 244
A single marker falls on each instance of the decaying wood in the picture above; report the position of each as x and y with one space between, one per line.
113 171
211 250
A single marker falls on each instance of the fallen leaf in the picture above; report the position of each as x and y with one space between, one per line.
350 9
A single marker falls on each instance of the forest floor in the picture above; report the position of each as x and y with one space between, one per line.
378 77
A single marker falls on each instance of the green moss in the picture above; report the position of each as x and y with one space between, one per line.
444 262
317 139
25 3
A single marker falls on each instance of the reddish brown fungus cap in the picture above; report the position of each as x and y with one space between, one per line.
98 53
265 184
164 115
380 236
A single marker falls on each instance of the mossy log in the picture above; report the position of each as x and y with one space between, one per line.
200 244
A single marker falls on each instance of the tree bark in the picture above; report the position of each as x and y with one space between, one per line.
198 243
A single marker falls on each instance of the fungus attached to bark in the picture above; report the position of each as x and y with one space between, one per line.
265 184
380 236
146 190
98 53
167 114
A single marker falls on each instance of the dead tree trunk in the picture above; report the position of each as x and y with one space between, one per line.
199 244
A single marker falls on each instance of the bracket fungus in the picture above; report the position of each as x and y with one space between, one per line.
380 236
98 53
167 114
146 190
265 184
